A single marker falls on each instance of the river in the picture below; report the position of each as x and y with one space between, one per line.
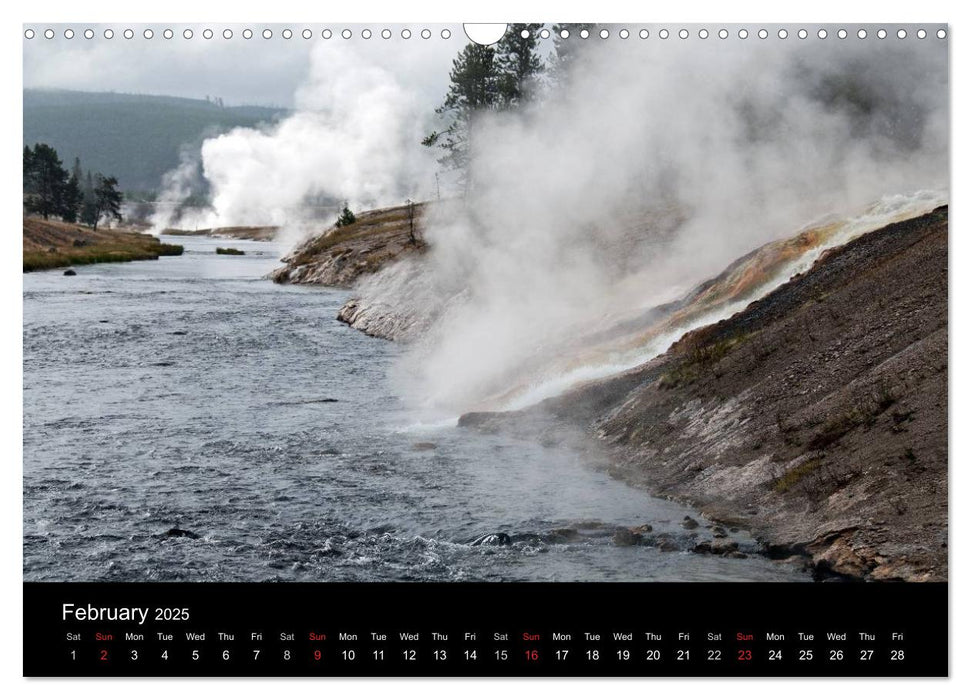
191 393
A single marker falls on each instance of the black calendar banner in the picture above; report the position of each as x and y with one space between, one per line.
485 629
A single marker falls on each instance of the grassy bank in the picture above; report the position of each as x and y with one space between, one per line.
338 256
51 244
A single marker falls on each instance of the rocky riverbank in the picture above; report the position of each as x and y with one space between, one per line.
341 255
245 233
816 418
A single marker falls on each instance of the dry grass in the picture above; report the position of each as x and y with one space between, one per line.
700 357
50 244
370 223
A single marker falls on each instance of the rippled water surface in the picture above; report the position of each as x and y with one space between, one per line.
190 393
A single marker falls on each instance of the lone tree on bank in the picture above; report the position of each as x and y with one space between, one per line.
105 201
411 221
346 217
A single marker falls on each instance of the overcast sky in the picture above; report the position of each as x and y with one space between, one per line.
240 71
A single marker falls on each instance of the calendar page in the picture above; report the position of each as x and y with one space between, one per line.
539 349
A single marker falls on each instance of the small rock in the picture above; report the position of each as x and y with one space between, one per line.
423 446
563 534
718 531
724 548
178 532
642 529
666 544
689 523
69 272
496 538
328 550
626 537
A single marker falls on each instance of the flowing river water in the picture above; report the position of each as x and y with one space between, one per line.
191 393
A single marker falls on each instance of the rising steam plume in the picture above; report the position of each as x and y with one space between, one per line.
650 169
354 136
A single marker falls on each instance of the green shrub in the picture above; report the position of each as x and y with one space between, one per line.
792 477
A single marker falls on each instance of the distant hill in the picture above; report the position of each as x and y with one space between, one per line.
136 138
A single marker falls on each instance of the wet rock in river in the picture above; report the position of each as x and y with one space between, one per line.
328 550
69 272
563 534
666 543
494 539
718 548
423 446
723 548
689 523
626 537
179 532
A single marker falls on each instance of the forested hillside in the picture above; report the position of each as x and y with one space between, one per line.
136 137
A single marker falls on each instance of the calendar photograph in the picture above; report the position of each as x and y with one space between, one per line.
426 303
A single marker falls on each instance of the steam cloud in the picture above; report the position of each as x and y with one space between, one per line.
354 135
657 165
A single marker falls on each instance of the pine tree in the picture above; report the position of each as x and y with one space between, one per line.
45 181
88 200
475 87
566 51
519 63
71 200
346 217
28 166
105 201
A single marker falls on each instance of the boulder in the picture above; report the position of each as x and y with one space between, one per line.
626 537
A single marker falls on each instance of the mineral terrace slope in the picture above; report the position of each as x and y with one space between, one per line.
816 417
